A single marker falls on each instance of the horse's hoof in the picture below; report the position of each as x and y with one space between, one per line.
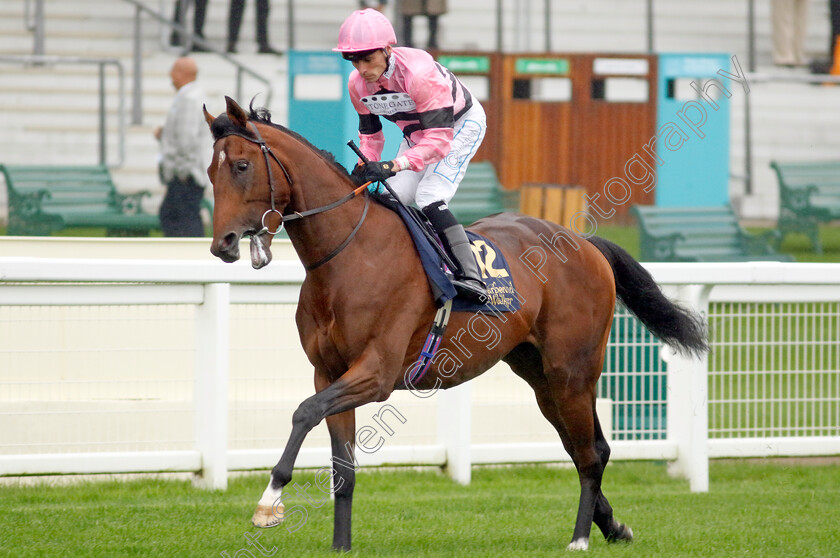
580 544
623 534
268 516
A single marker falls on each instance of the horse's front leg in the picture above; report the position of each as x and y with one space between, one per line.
361 384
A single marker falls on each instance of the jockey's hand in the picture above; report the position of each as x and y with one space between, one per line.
378 171
357 176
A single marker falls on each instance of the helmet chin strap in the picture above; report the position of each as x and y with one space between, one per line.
388 68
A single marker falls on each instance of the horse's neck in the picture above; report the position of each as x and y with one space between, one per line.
317 235
316 181
316 186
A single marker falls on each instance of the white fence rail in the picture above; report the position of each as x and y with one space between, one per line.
140 365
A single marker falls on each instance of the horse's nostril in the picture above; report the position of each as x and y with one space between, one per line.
227 248
229 240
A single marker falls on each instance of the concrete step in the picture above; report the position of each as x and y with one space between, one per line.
77 86
578 25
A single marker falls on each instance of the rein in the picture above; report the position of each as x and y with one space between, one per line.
266 151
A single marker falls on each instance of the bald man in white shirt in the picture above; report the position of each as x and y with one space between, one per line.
186 148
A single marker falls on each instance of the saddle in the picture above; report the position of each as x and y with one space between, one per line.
438 266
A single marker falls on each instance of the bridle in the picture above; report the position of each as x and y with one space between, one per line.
294 216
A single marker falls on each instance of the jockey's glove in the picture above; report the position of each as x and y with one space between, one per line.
378 171
358 176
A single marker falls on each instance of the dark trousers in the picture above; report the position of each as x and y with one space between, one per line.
235 21
834 10
408 34
198 19
179 212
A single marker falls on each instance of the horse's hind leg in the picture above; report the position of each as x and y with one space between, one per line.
613 530
578 420
575 402
572 413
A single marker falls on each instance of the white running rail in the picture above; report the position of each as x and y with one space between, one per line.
152 365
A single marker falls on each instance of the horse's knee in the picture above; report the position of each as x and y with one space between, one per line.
306 416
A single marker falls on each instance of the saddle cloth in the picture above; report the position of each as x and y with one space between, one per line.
491 263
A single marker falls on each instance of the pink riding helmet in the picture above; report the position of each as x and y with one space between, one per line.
365 30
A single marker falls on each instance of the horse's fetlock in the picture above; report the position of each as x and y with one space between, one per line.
280 477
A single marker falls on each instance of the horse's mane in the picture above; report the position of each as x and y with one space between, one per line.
222 126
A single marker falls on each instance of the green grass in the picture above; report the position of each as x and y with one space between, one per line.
752 509
799 246
626 237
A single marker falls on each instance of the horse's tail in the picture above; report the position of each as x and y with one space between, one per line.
677 326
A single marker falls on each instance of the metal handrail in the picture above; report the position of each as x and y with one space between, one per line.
34 21
189 40
41 60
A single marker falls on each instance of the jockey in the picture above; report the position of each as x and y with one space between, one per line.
442 125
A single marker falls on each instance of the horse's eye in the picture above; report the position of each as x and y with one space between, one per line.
242 166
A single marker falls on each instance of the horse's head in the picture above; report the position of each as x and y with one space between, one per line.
250 186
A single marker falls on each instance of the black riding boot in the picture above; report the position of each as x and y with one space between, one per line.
467 281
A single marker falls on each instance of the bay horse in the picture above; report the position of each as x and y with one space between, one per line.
365 307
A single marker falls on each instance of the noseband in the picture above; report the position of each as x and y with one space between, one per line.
267 152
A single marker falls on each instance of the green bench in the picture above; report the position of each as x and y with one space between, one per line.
46 199
481 194
700 234
809 194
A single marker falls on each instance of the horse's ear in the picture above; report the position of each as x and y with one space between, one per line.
235 113
207 116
